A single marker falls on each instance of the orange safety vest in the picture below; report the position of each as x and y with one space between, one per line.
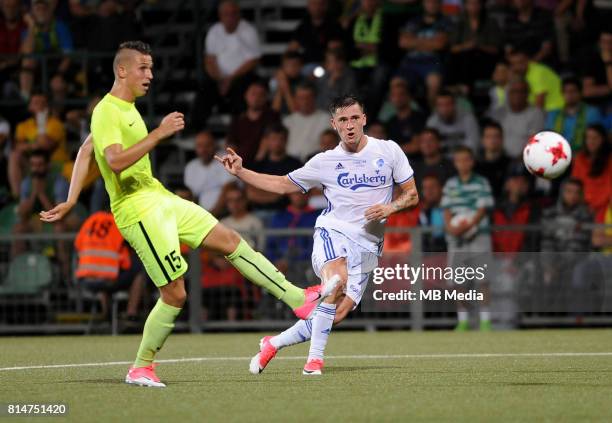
101 249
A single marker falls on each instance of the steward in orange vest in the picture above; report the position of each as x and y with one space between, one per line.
102 251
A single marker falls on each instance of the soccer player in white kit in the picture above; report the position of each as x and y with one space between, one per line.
357 178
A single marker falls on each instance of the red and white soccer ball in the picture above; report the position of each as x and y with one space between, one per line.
547 154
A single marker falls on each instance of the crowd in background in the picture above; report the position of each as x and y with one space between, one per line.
439 77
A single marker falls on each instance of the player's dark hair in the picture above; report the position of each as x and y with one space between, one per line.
276 128
599 159
432 131
571 80
463 149
139 46
39 152
344 101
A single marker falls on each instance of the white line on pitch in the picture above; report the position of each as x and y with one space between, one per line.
331 357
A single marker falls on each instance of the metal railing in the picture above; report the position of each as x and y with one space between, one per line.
38 294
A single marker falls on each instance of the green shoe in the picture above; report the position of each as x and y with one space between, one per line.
485 326
462 326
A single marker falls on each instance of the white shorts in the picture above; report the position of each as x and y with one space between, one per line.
330 245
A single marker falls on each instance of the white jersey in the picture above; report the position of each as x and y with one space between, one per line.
353 182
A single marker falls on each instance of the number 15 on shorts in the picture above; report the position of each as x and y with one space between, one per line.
174 260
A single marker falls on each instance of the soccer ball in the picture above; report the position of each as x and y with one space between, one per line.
547 154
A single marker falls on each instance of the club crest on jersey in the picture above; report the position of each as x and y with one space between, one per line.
354 182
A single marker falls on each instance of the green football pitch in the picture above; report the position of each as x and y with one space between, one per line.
553 375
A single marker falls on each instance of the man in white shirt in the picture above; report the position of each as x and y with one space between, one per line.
204 176
305 124
357 178
232 52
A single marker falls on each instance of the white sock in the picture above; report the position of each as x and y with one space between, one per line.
321 327
299 332
463 316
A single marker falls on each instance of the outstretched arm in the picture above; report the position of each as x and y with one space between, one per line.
79 173
271 183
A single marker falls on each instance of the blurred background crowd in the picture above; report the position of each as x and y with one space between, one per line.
434 75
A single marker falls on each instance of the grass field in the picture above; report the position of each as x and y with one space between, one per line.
386 376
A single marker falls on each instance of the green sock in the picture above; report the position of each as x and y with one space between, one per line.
256 268
158 326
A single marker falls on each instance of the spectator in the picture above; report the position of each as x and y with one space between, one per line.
205 176
377 130
223 289
5 187
12 26
561 222
305 124
275 161
42 189
246 130
400 242
292 253
597 71
571 121
544 83
425 39
493 163
285 81
316 33
432 215
45 35
593 167
475 43
518 119
531 28
337 80
232 54
405 125
432 161
102 31
240 219
500 79
466 200
41 131
602 237
457 127
328 140
515 208
106 264
368 32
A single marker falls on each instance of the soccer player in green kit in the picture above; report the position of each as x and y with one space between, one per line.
155 221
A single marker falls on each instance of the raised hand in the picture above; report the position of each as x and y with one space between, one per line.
171 124
231 161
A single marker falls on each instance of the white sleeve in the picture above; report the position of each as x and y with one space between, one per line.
252 43
402 171
308 176
211 42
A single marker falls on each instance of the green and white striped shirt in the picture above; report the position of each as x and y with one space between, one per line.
468 197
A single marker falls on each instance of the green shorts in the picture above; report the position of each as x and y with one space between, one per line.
157 237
